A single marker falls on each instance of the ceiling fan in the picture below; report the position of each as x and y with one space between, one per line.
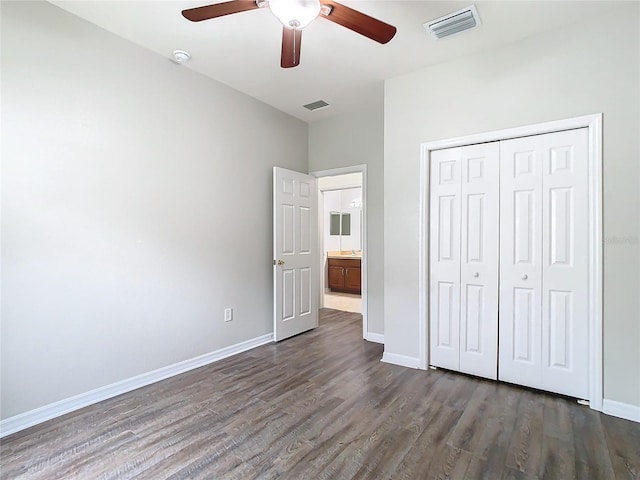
294 16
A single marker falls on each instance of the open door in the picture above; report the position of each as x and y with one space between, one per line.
295 235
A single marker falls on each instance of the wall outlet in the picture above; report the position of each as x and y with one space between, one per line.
228 314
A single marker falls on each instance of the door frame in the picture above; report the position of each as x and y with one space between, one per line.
594 125
320 197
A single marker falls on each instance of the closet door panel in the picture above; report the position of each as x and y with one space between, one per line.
479 260
444 258
519 330
565 331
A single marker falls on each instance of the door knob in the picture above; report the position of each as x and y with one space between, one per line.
476 274
524 277
280 262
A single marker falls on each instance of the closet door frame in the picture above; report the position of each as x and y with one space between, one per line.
594 125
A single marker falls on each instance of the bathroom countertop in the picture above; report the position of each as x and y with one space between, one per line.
344 254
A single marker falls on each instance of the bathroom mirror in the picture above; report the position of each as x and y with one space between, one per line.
340 224
335 223
343 219
345 229
351 230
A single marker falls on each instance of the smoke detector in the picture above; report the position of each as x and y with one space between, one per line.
180 57
453 23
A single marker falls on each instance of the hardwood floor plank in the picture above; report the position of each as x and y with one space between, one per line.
418 461
558 448
493 443
452 463
468 433
382 461
591 451
159 446
510 474
623 440
502 416
318 406
557 418
557 459
486 469
525 448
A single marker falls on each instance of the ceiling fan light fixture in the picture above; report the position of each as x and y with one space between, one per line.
294 16
295 13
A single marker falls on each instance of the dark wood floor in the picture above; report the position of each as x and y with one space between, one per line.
322 406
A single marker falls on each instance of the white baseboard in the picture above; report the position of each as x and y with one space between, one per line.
402 360
33 417
375 337
621 410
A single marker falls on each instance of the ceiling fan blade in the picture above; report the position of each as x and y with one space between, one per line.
218 10
291 42
359 22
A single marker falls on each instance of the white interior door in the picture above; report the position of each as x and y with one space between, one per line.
479 260
565 257
295 234
543 328
520 261
464 259
444 258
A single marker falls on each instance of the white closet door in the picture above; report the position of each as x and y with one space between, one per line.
565 326
520 261
444 258
543 326
479 260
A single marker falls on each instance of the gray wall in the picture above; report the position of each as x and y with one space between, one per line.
136 206
355 139
581 69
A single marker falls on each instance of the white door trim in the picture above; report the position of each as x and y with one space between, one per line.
332 173
594 125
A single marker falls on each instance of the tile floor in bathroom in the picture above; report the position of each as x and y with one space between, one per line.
347 302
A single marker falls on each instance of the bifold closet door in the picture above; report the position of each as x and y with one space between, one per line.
543 330
479 260
444 258
464 259
520 262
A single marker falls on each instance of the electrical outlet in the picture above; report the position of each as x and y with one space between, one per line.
228 314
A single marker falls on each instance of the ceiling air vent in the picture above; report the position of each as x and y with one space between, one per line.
453 23
316 105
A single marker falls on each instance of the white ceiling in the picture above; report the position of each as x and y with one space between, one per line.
337 65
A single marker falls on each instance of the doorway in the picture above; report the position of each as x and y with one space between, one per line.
342 240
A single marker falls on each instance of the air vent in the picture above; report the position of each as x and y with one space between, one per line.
453 23
316 105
